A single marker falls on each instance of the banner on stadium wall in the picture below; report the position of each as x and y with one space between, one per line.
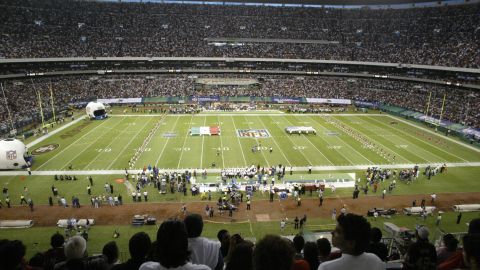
286 100
239 99
119 100
330 101
367 104
206 99
430 120
78 104
156 100
472 132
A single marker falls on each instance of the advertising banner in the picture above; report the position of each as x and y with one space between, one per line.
206 99
329 101
119 100
286 100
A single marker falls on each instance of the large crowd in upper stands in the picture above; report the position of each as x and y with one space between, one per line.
446 36
459 107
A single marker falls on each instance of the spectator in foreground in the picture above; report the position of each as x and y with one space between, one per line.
12 254
324 249
224 238
203 250
240 255
36 262
376 247
110 250
172 249
273 253
352 236
56 254
139 246
471 250
310 254
76 257
450 244
460 259
298 243
421 254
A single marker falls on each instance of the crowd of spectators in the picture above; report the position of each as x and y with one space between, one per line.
179 245
22 99
446 36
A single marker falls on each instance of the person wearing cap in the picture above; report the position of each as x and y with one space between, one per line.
421 254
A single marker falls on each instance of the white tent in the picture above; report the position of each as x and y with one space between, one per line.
96 110
12 153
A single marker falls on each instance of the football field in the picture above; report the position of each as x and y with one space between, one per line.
245 139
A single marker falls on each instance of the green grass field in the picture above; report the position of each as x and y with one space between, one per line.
343 144
110 144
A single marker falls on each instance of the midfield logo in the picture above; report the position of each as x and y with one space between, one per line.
45 149
11 155
253 133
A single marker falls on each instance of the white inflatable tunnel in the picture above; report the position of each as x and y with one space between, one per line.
418 210
12 154
7 224
466 207
96 110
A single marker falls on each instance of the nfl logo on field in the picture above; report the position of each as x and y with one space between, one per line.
12 154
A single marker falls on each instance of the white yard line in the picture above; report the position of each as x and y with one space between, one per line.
184 142
301 152
112 140
128 144
165 145
344 142
436 134
239 144
415 138
403 141
397 154
296 169
275 141
221 141
50 134
327 143
92 143
203 141
306 138
71 144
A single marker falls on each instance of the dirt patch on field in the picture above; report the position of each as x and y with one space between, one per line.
45 215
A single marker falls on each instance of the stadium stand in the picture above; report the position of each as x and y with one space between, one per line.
447 36
409 95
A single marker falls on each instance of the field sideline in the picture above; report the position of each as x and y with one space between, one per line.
339 144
